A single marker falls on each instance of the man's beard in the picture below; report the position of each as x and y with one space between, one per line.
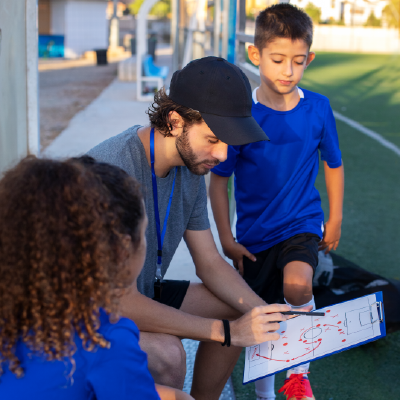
189 157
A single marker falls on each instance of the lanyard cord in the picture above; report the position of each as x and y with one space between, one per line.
160 235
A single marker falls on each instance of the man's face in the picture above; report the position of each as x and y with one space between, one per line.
282 63
200 149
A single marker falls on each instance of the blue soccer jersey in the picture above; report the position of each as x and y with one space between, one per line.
119 372
274 181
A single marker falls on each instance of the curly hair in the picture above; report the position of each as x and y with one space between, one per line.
160 109
60 255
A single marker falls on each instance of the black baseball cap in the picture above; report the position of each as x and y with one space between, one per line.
221 92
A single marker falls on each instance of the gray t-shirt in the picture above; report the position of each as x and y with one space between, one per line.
188 207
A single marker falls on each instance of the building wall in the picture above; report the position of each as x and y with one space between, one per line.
86 27
58 17
19 133
13 94
44 8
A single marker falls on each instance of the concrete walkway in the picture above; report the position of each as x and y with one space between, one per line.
115 110
47 64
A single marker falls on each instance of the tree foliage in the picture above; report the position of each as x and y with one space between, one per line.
161 9
372 20
314 12
391 13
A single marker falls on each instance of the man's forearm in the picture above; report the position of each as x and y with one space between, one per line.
256 326
226 283
151 316
217 275
334 179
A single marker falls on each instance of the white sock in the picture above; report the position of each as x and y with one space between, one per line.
303 368
265 388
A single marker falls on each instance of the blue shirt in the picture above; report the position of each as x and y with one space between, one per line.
117 373
274 181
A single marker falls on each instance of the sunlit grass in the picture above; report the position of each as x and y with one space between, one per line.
364 87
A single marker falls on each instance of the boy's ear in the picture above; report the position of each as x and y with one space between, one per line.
310 58
254 55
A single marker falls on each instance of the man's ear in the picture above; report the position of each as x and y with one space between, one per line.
310 58
254 55
176 122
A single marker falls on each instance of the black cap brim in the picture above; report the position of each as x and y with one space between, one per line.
235 131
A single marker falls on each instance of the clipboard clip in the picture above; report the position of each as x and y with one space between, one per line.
380 313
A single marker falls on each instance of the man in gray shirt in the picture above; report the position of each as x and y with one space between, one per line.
209 107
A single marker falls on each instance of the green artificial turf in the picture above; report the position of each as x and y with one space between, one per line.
371 220
365 88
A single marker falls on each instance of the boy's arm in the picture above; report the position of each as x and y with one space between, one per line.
334 179
220 206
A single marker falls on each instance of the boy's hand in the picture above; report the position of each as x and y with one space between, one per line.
235 251
330 240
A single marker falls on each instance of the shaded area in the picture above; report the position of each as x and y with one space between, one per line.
65 92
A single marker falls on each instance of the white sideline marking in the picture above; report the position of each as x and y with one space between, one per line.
368 132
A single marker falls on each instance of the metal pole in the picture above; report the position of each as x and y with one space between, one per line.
114 28
217 27
141 45
225 28
181 30
232 31
241 46
200 34
32 77
175 33
188 51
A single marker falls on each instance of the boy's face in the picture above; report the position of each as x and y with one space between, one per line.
282 63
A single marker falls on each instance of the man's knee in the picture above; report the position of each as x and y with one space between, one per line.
166 358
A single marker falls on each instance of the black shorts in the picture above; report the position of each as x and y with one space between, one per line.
265 275
173 292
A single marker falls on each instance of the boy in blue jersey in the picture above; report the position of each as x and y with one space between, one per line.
280 225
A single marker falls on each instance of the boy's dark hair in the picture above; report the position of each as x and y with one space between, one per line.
282 21
159 112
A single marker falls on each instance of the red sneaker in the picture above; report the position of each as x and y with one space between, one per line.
297 388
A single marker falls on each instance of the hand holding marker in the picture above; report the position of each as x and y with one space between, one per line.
312 314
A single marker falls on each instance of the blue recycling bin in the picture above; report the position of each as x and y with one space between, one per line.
51 46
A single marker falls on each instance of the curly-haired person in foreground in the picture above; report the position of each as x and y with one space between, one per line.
72 240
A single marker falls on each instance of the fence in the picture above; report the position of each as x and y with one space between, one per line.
356 39
353 39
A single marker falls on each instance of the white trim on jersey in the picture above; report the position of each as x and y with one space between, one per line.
254 95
